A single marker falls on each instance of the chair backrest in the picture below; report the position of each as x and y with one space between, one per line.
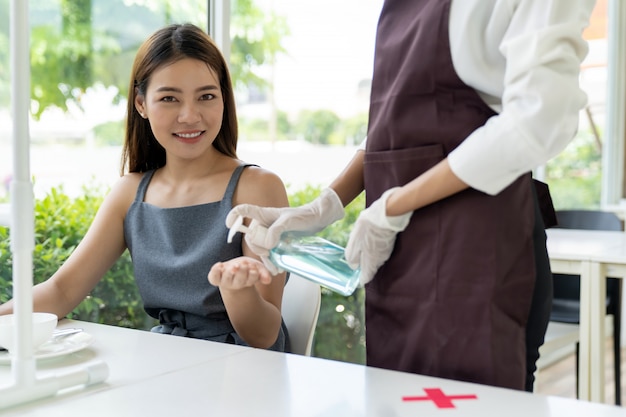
588 220
301 308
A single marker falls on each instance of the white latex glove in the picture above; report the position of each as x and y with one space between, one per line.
373 237
308 218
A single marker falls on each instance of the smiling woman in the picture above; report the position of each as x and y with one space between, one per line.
168 209
162 89
184 105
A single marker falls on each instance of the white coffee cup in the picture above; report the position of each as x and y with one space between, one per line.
43 326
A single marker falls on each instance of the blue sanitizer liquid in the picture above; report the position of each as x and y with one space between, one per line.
310 257
318 260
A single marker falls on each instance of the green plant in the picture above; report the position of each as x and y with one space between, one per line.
60 224
575 174
109 133
317 126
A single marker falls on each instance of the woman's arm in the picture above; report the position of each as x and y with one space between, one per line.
99 249
252 297
350 183
433 185
523 57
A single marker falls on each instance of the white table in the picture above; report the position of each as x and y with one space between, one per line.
161 375
131 355
608 263
594 255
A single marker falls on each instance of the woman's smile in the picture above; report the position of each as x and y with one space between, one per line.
190 137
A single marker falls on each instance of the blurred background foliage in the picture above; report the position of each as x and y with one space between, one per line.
60 224
575 175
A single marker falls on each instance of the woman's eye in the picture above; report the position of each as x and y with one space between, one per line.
207 96
168 99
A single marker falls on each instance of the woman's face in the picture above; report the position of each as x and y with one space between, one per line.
184 105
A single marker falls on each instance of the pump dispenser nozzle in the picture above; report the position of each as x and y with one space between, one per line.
255 231
237 226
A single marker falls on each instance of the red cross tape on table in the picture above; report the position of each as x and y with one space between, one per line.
440 399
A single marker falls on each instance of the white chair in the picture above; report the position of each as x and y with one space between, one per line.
560 340
301 307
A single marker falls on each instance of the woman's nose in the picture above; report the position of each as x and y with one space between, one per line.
189 113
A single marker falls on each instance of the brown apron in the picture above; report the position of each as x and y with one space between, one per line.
453 299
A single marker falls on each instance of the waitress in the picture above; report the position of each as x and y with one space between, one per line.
468 96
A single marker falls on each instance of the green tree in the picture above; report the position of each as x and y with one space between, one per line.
574 176
96 42
317 126
351 131
62 60
256 42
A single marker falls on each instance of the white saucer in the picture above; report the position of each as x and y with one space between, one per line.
55 348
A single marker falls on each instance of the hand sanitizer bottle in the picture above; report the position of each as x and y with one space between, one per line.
311 257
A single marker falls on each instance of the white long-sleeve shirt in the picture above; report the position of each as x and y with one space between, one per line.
523 58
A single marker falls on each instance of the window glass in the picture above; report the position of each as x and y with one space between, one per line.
81 55
303 106
575 175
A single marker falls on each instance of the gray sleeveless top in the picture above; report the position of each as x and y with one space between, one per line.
172 251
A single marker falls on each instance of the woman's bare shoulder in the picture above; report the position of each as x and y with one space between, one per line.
123 191
261 187
128 183
254 173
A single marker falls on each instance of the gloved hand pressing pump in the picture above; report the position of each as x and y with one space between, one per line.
373 237
308 218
